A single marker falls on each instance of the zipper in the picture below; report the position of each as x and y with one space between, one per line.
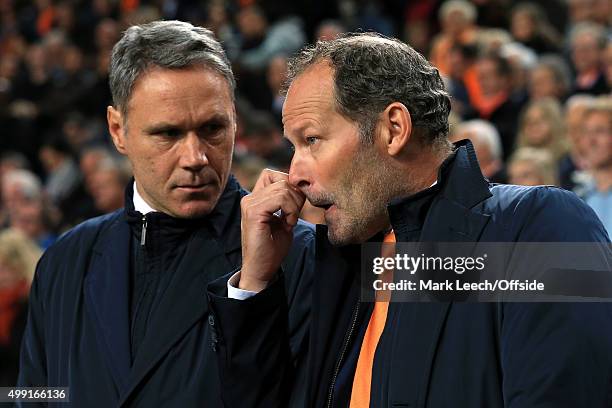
143 233
347 340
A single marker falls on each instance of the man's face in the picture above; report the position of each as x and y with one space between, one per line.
542 84
179 138
331 166
586 53
598 133
524 173
488 77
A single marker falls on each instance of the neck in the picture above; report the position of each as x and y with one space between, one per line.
422 171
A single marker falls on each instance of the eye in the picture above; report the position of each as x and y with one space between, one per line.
211 128
169 133
311 140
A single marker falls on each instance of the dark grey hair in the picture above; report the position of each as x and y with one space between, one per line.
164 44
372 71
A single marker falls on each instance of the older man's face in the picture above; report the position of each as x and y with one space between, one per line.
331 166
598 133
179 139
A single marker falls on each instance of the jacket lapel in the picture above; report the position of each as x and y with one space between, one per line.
107 298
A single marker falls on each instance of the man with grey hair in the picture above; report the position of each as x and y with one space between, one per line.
368 117
118 308
487 145
587 43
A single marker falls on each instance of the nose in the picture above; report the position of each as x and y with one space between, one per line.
193 153
299 173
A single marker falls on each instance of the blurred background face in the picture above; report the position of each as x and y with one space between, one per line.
537 128
543 84
106 187
491 82
489 165
454 23
598 133
524 173
522 26
28 218
574 123
585 53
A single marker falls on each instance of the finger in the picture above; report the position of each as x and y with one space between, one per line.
265 206
278 191
269 176
271 189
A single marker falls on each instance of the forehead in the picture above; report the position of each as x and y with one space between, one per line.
310 96
598 117
160 90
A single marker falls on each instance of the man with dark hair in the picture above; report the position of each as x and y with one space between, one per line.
368 117
118 309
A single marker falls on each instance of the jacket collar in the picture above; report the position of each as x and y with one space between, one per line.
459 179
220 219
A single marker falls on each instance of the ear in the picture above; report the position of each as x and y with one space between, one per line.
397 128
116 128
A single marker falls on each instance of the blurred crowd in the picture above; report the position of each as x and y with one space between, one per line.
530 83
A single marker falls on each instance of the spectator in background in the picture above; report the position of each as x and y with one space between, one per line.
263 138
457 19
522 60
261 41
462 80
277 74
494 104
572 165
329 30
598 133
64 183
63 176
487 144
530 27
19 187
107 186
27 210
90 159
587 42
541 126
9 161
550 78
581 11
18 257
529 166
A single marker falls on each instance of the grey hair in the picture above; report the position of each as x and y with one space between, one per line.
372 71
164 44
559 69
29 184
597 31
485 132
464 7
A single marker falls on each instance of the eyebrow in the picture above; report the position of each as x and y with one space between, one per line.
218 119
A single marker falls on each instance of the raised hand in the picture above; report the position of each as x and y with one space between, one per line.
269 214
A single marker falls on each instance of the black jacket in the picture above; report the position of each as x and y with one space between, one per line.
438 354
78 332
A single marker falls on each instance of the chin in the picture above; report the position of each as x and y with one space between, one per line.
195 210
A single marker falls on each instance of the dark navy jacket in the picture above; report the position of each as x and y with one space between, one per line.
442 354
78 331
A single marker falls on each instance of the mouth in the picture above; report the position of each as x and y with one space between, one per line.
194 187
